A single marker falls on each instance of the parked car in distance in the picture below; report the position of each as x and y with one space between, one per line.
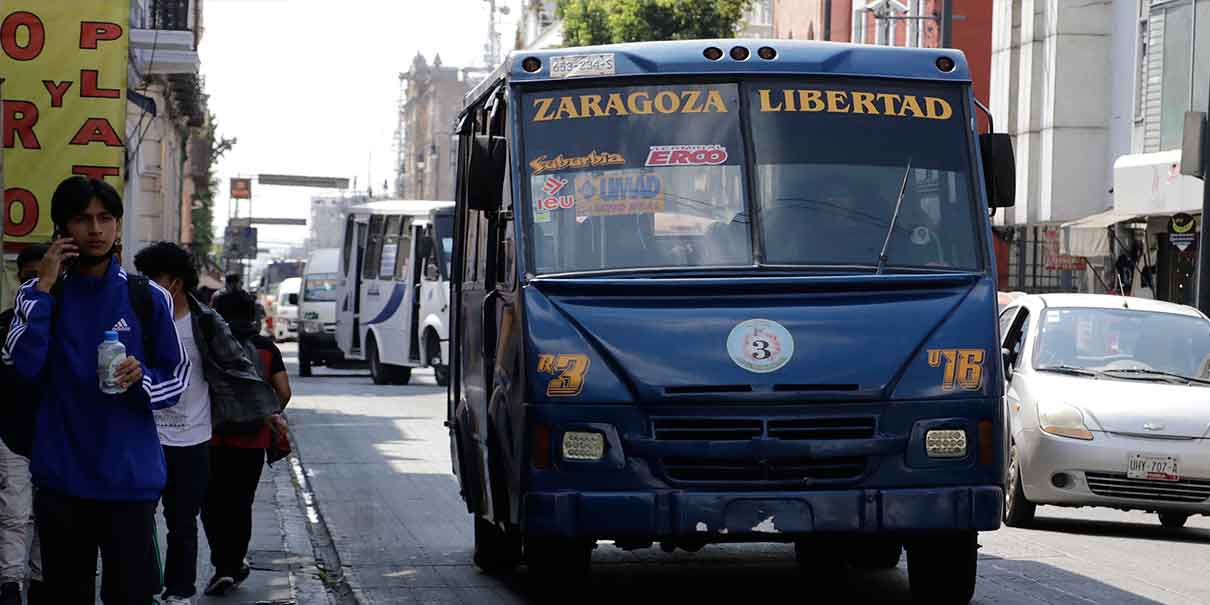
1109 405
285 309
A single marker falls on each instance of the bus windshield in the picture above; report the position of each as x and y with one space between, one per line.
656 176
443 238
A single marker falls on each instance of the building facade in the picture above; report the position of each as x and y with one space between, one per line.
167 154
326 225
430 98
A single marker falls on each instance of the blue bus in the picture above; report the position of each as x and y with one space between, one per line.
729 291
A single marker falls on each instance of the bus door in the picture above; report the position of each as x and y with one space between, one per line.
387 295
415 273
348 313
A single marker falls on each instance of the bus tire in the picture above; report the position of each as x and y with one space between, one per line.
399 374
304 365
496 550
558 561
378 370
432 348
942 568
1018 511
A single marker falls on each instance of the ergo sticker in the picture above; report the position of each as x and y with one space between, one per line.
686 155
760 345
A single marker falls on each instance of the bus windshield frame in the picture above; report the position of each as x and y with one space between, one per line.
730 139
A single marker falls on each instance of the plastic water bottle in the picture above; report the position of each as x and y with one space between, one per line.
110 353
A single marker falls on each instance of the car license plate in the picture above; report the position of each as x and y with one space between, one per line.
1153 468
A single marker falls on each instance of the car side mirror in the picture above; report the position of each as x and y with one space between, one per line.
431 272
1007 357
999 169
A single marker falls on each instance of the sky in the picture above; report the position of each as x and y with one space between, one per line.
311 87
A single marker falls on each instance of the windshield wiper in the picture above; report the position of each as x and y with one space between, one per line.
1158 373
894 217
1069 370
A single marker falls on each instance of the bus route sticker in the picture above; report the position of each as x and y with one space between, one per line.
760 345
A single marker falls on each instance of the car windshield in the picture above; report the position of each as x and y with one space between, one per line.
320 287
654 176
1124 342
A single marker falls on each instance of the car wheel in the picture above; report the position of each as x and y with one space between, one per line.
1018 512
496 550
941 568
1173 520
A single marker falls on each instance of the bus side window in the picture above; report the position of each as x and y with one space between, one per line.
392 252
369 269
347 253
471 246
405 249
505 269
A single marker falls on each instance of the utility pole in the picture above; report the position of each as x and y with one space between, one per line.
947 23
493 38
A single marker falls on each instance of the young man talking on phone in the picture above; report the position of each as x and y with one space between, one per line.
97 461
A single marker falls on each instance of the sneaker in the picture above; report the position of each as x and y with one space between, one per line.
10 594
242 574
219 585
176 601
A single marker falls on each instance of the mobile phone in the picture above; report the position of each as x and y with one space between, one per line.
67 263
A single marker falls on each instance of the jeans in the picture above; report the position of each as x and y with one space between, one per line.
227 513
20 556
73 529
188 476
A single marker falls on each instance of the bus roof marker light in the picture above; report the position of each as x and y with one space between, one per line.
767 53
739 53
713 53
945 64
531 64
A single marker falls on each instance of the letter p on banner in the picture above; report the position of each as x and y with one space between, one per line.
71 126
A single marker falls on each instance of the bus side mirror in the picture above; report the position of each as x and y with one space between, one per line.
999 169
488 164
292 299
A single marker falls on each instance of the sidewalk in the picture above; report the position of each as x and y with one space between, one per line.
281 556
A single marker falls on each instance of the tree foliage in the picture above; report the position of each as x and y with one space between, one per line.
203 199
591 22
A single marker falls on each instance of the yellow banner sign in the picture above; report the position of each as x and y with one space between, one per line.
845 101
619 192
64 89
639 103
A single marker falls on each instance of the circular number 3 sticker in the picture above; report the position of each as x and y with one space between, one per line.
760 345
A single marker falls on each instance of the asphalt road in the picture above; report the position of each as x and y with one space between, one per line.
377 463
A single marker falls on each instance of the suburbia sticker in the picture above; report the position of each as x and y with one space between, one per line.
619 192
580 66
638 103
543 164
568 370
760 345
686 155
846 101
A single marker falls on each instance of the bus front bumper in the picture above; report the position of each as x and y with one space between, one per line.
760 516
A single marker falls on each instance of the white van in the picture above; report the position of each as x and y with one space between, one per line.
285 309
394 296
317 308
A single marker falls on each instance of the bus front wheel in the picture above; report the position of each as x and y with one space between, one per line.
496 550
941 568
433 347
384 373
558 560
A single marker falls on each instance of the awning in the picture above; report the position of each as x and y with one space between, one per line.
1089 236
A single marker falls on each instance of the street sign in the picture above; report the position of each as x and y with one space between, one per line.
291 180
241 189
239 242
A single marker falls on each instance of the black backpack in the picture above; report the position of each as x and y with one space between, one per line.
17 415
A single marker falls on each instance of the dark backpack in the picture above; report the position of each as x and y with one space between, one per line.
18 414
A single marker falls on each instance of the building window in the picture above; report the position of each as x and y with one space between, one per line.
1186 64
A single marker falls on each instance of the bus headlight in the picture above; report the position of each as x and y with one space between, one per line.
583 445
312 327
945 443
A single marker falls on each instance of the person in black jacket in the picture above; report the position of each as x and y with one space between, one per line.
19 553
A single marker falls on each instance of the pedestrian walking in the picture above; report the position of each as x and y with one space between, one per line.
97 464
20 559
236 459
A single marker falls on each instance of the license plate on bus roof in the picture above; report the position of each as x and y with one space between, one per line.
580 66
1153 468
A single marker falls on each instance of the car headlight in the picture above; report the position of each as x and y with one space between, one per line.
1063 420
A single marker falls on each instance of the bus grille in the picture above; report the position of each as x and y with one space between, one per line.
694 470
1119 486
742 429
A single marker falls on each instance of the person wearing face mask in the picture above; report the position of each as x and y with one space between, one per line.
97 463
19 555
222 378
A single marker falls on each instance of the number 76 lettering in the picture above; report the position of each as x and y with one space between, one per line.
961 366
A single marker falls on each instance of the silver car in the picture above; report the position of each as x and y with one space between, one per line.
1109 405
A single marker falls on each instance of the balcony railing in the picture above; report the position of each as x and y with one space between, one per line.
171 15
